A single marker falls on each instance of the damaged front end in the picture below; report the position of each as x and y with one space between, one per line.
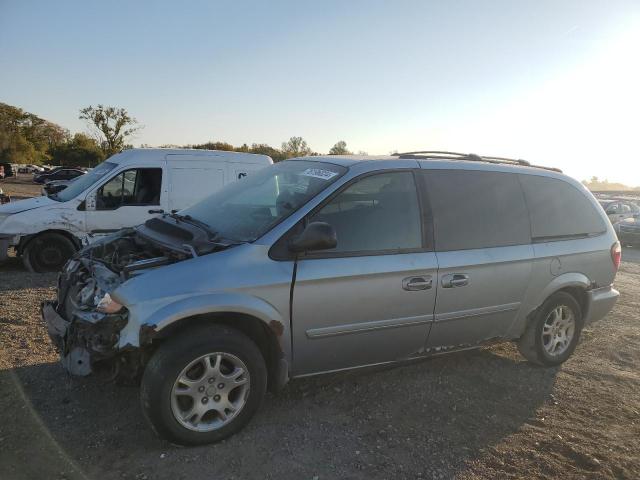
84 323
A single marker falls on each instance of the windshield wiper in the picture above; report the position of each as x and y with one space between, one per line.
189 219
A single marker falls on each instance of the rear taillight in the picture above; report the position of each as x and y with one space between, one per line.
616 255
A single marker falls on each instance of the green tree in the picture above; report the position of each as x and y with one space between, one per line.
27 138
14 148
81 150
264 149
112 126
224 146
295 147
340 148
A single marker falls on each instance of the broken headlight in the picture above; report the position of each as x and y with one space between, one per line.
108 305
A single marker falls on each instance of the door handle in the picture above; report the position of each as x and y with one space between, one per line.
156 211
455 280
417 283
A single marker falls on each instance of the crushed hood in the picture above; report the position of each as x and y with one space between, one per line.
27 204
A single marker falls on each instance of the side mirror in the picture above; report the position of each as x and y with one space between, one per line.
317 236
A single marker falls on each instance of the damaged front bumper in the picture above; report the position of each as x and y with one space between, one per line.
86 339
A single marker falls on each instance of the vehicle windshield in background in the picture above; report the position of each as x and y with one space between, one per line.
246 209
83 182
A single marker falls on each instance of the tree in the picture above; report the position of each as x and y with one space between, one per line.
112 126
264 149
81 150
27 138
227 147
340 148
295 147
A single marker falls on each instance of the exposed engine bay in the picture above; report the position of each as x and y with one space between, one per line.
84 323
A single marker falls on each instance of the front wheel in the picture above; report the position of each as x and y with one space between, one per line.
553 333
48 252
203 386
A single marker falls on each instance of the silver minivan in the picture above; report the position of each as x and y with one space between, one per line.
321 264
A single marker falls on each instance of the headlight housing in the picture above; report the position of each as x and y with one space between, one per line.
108 305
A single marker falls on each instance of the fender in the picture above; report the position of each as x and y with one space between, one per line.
222 302
569 279
64 217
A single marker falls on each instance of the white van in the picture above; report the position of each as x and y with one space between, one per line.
124 191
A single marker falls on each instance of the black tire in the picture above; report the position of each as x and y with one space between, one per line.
48 252
175 355
531 343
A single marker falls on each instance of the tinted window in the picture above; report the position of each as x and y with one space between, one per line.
379 212
558 209
474 209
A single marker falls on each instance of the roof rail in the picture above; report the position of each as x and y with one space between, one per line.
472 157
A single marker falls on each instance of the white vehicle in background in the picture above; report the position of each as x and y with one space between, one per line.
124 191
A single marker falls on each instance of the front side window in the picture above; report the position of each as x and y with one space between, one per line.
376 214
141 186
476 209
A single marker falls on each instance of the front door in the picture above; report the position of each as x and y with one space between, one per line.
128 199
371 299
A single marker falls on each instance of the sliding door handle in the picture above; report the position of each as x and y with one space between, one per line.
452 280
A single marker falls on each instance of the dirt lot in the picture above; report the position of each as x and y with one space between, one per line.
20 187
484 414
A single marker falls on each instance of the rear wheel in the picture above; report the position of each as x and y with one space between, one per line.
203 386
553 334
48 252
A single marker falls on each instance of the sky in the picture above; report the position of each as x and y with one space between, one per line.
556 83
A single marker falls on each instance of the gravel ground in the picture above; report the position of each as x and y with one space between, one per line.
20 187
481 414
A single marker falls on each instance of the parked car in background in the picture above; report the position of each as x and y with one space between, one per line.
126 190
628 231
58 174
618 210
9 171
30 169
321 264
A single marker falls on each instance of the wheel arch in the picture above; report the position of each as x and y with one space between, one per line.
265 336
26 239
575 284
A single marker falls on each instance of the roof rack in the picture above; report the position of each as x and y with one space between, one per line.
472 157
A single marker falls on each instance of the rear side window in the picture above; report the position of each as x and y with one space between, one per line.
475 209
559 210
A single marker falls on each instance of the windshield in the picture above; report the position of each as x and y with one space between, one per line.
246 209
81 183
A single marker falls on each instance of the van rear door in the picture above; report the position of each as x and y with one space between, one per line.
239 170
192 178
